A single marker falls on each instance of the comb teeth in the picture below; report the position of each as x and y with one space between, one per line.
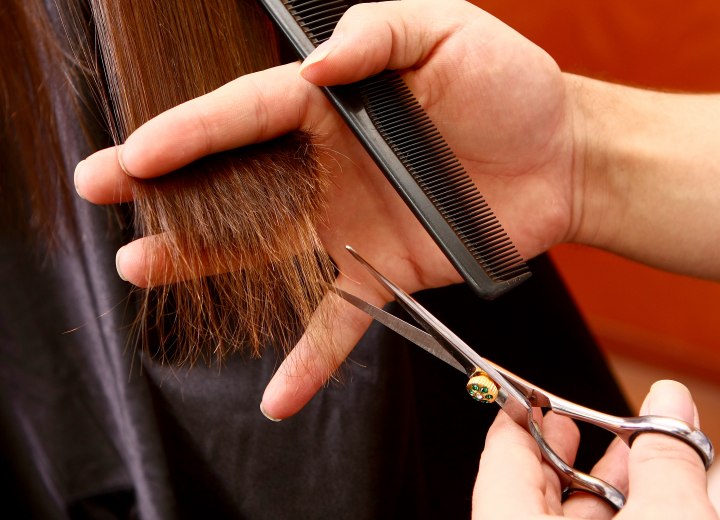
413 137
317 18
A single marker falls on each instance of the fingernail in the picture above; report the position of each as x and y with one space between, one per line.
117 264
321 52
273 419
78 172
121 162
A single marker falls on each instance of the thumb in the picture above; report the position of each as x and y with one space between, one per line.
373 37
665 473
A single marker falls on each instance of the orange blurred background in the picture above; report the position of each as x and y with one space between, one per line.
641 313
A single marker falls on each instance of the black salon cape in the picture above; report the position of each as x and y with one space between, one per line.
91 429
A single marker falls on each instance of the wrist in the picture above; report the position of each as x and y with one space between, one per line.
595 199
616 154
645 174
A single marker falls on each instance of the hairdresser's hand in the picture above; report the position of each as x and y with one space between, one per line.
666 478
499 100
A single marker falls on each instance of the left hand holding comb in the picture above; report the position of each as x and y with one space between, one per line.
483 84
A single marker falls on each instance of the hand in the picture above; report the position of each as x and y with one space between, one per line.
499 100
665 476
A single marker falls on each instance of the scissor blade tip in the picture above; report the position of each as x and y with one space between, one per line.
362 261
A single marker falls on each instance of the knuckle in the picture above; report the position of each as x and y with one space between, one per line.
359 11
260 112
203 128
659 450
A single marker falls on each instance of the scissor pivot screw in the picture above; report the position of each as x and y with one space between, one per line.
482 388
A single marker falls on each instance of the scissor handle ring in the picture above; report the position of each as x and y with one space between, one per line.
613 502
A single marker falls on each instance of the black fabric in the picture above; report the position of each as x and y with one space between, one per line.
87 434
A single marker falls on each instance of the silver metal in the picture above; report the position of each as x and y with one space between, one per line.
518 397
627 428
419 337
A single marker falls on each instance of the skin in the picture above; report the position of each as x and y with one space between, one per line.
558 157
660 476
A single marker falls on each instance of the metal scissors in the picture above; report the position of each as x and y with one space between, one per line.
489 383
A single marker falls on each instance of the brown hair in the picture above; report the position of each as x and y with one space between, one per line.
33 185
249 215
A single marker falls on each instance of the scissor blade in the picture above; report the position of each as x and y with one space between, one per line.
425 341
458 349
413 334
509 397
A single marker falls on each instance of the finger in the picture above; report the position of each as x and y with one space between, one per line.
253 108
612 468
714 487
387 35
665 472
100 180
155 260
510 466
148 262
563 436
133 261
334 330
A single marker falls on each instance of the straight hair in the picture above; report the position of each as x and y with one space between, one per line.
249 216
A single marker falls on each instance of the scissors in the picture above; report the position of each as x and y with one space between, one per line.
490 383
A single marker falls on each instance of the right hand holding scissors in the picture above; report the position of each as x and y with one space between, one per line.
661 476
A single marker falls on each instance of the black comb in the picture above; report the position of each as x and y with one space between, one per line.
407 147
